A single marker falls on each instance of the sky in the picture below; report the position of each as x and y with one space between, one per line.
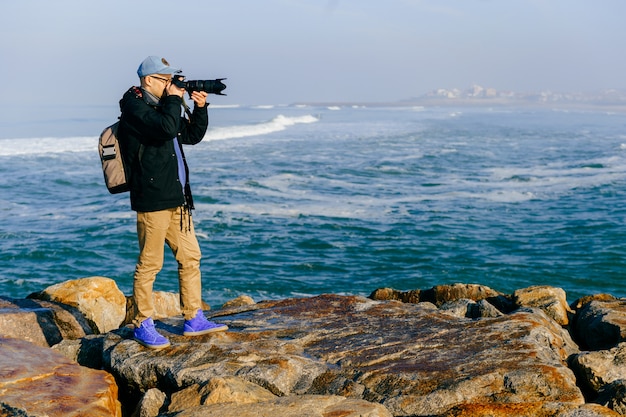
66 52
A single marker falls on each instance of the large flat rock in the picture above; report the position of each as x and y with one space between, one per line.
37 381
414 359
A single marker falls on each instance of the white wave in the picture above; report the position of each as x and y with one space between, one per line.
38 146
50 145
277 124
225 106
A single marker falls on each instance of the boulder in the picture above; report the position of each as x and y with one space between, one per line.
580 302
240 301
151 403
550 299
442 294
98 298
460 308
38 382
87 351
600 324
43 323
219 390
598 368
613 396
486 309
412 358
388 294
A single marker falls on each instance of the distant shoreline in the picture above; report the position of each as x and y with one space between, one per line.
612 100
479 103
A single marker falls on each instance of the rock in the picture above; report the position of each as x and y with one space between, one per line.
388 294
411 358
613 396
43 323
276 368
442 294
38 382
98 298
150 404
292 406
8 411
486 309
240 301
550 299
595 369
600 324
579 303
219 390
453 350
461 308
445 293
470 309
86 351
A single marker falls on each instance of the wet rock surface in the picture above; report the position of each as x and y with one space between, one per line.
457 350
39 382
413 359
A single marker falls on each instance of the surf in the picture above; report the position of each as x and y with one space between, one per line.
278 123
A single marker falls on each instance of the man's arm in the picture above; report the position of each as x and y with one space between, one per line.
193 132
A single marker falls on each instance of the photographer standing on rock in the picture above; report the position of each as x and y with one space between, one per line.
151 134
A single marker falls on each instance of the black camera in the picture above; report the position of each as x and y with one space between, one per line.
209 86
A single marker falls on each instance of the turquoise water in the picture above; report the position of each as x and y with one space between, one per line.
298 201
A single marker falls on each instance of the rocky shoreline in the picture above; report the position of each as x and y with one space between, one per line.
451 350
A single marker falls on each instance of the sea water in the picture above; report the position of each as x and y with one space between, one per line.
296 201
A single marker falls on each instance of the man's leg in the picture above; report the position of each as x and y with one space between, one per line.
152 229
181 238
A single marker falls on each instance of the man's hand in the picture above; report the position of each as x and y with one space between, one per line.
172 90
199 97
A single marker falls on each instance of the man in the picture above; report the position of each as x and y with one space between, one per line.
151 134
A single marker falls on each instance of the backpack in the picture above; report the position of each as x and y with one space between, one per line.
112 161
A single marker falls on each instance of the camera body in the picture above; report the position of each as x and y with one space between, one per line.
208 86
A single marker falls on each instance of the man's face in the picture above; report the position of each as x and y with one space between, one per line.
156 83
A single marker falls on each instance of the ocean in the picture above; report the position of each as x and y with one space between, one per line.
296 201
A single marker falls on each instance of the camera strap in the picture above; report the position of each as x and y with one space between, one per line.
187 110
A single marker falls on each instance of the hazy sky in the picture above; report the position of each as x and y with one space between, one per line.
285 51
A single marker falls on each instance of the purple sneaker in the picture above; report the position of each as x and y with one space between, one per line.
200 325
147 335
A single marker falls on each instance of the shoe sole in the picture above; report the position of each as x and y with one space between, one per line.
222 328
148 345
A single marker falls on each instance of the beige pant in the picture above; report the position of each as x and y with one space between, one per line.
154 229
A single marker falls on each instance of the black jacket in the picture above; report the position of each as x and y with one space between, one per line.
145 133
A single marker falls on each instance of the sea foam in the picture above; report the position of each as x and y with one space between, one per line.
52 145
278 123
41 146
